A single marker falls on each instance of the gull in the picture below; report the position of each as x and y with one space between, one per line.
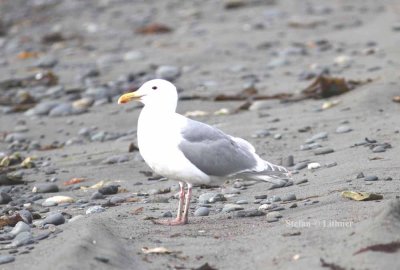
192 152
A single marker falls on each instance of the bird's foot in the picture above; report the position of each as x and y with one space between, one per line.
170 222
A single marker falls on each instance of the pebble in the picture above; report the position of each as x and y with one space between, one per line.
95 209
6 259
267 206
116 200
55 219
278 136
343 129
242 202
294 205
301 181
47 61
318 136
169 73
202 211
42 108
211 197
45 188
167 214
313 166
289 197
331 164
261 197
49 204
323 150
379 149
97 196
272 219
116 159
230 207
26 216
274 214
60 199
259 105
133 56
15 137
301 165
5 198
249 213
23 238
109 190
360 175
371 178
20 227
288 161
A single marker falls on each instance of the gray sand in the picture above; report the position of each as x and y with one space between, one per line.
218 51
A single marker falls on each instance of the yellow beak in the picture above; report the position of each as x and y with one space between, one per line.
125 98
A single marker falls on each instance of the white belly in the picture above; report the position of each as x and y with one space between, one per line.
158 145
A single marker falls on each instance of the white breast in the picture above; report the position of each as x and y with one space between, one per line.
158 139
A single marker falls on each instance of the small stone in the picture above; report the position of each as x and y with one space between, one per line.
269 206
360 175
331 164
293 205
23 238
49 204
289 197
248 213
371 178
211 197
388 178
55 219
26 215
202 211
42 108
274 214
242 202
301 165
261 197
45 188
5 198
109 190
231 207
133 56
272 219
47 61
379 149
323 151
288 161
301 181
20 227
60 199
318 136
6 259
95 209
343 129
116 200
169 73
313 166
97 196
167 214
278 136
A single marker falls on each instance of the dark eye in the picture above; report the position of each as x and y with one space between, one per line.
154 88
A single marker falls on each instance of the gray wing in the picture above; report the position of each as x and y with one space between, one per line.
214 152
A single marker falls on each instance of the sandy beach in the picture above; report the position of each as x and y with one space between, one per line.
313 85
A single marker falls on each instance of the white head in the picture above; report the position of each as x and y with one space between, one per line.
158 93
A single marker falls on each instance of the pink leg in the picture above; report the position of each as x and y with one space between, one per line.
179 220
187 204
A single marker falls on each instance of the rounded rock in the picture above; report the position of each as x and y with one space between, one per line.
371 178
202 211
168 72
45 188
6 259
95 209
5 198
55 219
20 227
